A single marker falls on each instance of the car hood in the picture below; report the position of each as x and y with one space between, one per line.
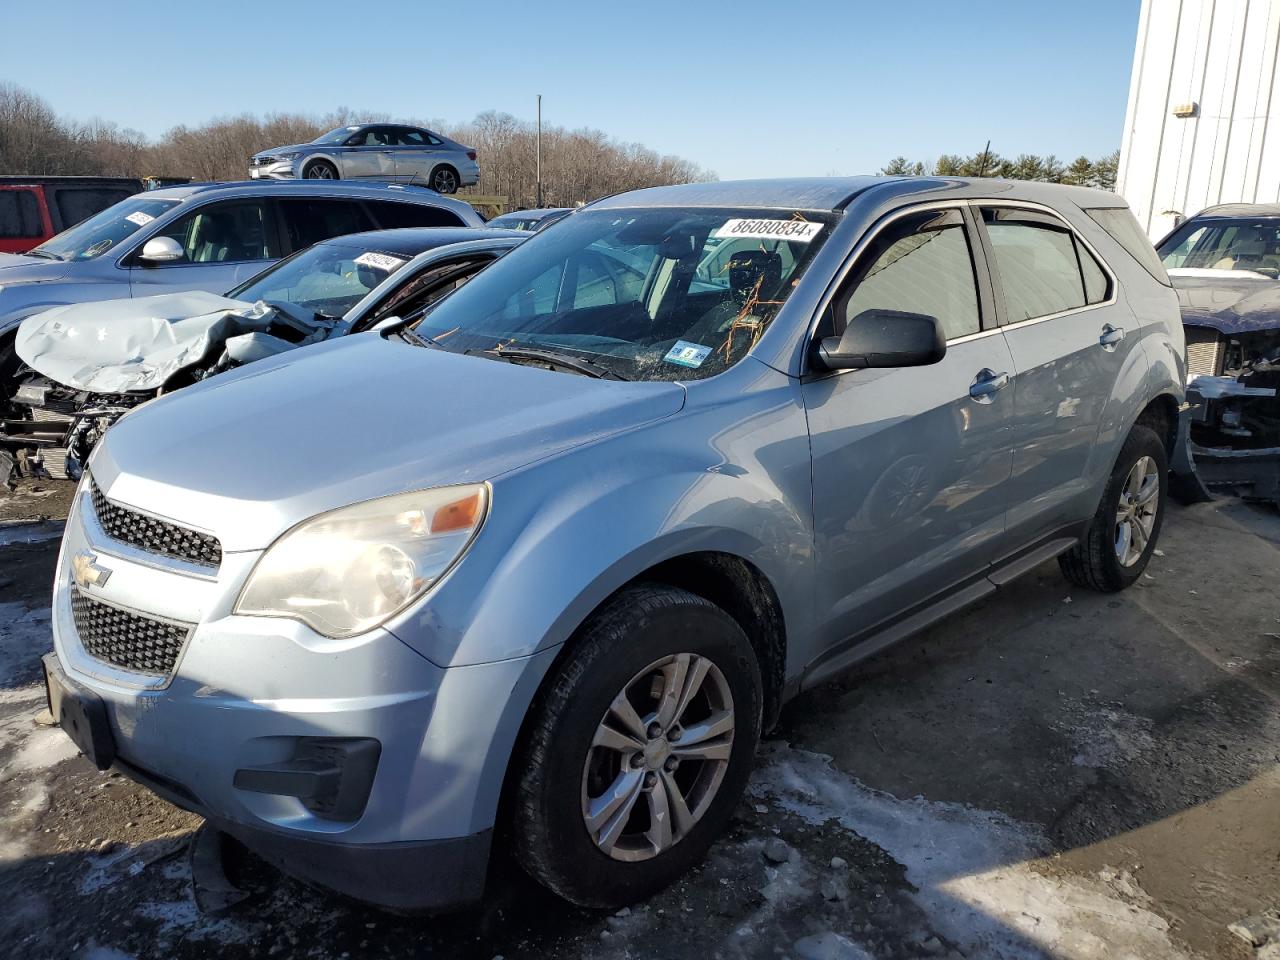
276 151
1227 304
250 453
19 268
125 346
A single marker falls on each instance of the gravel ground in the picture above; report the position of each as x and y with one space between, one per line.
1052 774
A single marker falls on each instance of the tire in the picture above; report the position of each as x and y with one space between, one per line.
632 645
1095 562
320 170
444 180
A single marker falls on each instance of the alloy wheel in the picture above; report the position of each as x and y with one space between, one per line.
1136 511
658 757
444 181
320 172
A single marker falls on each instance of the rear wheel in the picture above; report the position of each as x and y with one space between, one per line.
320 170
444 180
1123 533
641 745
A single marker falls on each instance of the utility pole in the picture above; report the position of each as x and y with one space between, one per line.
539 153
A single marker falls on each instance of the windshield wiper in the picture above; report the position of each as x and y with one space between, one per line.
555 358
409 335
44 254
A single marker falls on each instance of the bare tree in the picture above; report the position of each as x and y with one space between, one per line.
578 165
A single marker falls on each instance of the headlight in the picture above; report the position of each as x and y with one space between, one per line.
287 156
346 571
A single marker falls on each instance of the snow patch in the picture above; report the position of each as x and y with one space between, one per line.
24 636
974 869
1109 738
45 747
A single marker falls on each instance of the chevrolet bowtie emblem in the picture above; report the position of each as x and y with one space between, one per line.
87 571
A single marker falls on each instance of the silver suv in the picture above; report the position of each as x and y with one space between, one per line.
543 563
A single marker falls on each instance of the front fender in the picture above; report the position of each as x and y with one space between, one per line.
567 532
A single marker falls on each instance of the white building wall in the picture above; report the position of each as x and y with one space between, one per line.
1220 55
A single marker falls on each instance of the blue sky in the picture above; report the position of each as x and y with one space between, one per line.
743 88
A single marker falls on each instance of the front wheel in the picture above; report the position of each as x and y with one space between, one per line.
320 170
641 745
1122 534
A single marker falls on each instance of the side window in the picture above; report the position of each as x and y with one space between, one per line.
1096 285
412 138
1036 263
80 203
391 214
19 214
921 263
423 291
225 233
309 220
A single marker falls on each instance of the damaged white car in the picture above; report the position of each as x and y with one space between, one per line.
89 364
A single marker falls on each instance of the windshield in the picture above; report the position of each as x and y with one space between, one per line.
1250 246
336 136
328 278
104 230
652 294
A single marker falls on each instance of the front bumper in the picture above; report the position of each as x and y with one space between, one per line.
246 693
282 170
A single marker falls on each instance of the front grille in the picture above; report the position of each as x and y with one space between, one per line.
262 161
155 536
125 639
1204 351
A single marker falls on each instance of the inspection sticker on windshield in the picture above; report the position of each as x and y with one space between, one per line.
140 218
687 354
799 231
379 261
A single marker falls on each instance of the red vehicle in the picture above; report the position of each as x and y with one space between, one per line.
33 209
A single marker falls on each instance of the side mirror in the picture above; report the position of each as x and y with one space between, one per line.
162 250
884 338
385 322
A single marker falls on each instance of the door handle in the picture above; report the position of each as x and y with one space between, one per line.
1110 337
987 384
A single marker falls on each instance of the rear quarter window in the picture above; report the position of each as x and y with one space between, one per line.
19 214
390 214
1124 229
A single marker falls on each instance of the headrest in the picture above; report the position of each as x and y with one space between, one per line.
747 267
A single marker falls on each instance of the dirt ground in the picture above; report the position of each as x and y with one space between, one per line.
1054 773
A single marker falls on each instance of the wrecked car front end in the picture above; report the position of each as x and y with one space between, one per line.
92 363
1232 328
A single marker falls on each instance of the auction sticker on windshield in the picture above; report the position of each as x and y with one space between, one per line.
687 354
379 261
140 218
800 231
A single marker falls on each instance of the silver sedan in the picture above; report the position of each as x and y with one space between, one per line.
373 151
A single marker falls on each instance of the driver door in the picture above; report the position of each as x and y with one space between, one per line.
224 244
910 465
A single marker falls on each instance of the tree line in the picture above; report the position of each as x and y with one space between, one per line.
577 165
1081 171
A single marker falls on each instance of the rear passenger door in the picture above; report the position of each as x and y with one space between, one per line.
1069 344
910 465
308 220
415 154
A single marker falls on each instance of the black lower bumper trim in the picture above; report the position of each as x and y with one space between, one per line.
433 876
430 876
